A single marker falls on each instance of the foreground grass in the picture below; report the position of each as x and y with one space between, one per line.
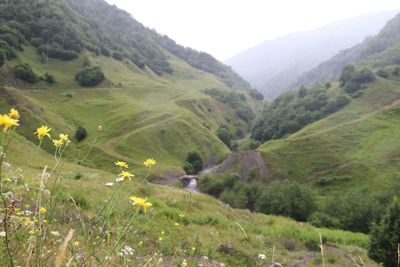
179 229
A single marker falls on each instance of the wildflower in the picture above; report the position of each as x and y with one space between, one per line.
76 244
176 224
261 256
142 202
58 143
109 184
99 128
160 238
2 234
193 249
64 138
55 233
14 114
121 164
43 210
149 163
6 122
126 175
43 131
184 263
119 179
182 215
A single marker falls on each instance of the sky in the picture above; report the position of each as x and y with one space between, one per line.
224 28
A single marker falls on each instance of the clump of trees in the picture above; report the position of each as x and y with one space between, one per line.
225 135
25 73
237 101
193 163
353 80
91 76
293 110
385 237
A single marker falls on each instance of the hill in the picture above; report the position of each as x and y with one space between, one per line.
274 65
376 51
151 100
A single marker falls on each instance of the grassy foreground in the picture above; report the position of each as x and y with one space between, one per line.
57 212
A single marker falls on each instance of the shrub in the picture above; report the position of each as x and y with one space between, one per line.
90 76
382 73
80 133
195 160
48 78
385 237
396 71
25 72
225 135
117 56
320 219
2 58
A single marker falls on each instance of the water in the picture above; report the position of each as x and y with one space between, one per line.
192 186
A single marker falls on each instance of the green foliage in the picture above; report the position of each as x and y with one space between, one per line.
288 199
235 100
356 210
382 73
396 71
90 76
25 72
48 78
225 135
256 94
293 110
193 163
321 219
2 58
352 80
385 237
117 55
80 133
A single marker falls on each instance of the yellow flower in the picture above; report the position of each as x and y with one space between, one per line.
64 138
7 122
121 164
76 244
176 224
14 114
43 210
141 202
193 249
149 162
182 215
58 143
126 175
55 233
43 131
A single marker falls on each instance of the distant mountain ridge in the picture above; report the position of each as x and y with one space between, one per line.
377 51
273 66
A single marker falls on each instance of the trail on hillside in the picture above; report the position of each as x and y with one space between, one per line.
363 117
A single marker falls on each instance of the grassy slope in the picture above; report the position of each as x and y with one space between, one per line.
142 115
355 147
207 224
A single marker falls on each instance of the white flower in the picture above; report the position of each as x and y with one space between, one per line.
119 179
26 213
184 263
109 184
2 234
261 256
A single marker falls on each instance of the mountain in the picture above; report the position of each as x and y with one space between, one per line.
153 95
274 65
375 51
123 92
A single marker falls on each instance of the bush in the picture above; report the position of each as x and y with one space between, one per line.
193 163
385 237
25 72
225 135
287 199
2 58
320 219
117 56
396 71
382 73
80 133
90 76
48 78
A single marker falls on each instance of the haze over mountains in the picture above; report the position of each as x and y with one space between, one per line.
274 65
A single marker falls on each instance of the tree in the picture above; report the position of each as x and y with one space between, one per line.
90 76
193 163
385 237
80 133
224 135
25 72
346 74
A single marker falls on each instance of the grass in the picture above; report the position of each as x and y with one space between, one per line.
355 147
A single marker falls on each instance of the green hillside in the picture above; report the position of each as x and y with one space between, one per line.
376 51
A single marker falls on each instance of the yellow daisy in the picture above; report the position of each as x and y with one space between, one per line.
126 175
43 131
121 164
149 162
14 114
7 122
141 202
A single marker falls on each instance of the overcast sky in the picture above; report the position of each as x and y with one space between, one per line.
224 28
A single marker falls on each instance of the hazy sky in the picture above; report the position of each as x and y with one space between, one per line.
224 28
